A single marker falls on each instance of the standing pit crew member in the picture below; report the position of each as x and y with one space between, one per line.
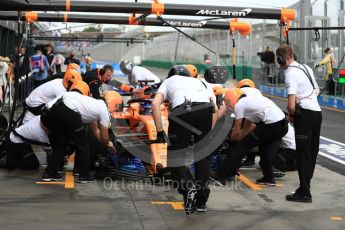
182 70
65 117
305 113
49 91
191 109
138 73
264 126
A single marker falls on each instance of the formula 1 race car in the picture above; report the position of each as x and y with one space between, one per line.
133 128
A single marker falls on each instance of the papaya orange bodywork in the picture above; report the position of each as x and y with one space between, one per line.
145 123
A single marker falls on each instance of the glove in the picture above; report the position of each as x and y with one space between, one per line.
162 137
317 66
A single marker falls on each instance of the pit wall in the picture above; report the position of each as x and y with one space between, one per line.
324 100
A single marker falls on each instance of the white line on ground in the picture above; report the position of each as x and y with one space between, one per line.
332 158
336 142
328 155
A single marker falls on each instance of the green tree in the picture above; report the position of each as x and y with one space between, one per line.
91 29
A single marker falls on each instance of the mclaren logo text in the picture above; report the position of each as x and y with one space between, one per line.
186 24
241 13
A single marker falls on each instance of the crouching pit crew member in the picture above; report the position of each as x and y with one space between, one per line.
190 123
265 125
286 157
19 153
285 160
65 117
305 113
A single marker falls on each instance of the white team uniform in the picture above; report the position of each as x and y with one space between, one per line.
89 108
43 94
298 83
140 73
31 130
288 141
177 91
258 109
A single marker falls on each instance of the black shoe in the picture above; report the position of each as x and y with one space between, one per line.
51 177
277 173
189 206
299 198
86 179
61 173
266 181
75 172
201 208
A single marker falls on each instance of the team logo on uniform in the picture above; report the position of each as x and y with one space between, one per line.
231 13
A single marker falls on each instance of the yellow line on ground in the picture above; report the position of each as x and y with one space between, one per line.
50 182
175 205
69 180
336 218
285 99
249 183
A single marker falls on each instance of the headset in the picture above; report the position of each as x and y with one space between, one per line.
281 60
